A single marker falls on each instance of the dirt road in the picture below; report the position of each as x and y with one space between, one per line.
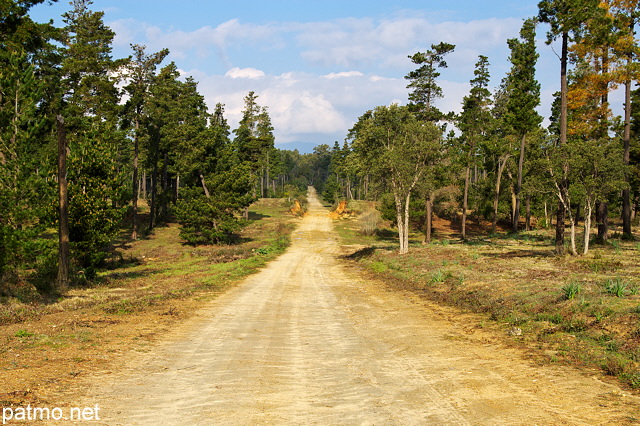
307 341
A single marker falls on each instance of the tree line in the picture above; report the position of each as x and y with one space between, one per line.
494 160
84 137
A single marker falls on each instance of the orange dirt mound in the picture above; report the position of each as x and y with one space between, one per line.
297 208
340 211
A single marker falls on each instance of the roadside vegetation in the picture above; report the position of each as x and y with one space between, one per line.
148 287
165 266
582 311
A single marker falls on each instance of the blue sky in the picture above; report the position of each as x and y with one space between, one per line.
319 65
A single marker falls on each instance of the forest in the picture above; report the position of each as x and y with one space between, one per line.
495 161
88 140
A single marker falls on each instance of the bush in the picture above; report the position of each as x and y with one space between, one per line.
369 222
203 223
295 195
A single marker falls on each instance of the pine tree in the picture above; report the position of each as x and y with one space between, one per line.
523 98
22 182
216 184
425 89
25 193
566 18
97 193
254 142
475 123
140 72
165 116
626 49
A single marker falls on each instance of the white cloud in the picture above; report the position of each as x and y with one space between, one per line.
355 43
302 106
286 65
351 43
250 73
203 41
335 75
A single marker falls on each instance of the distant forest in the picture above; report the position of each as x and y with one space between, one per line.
91 145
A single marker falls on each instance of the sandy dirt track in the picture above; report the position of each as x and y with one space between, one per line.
308 341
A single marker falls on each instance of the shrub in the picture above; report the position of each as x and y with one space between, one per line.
369 222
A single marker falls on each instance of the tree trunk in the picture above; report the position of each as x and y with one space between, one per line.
516 212
502 162
528 214
162 211
563 140
266 180
62 281
465 199
406 223
564 88
154 192
602 218
144 185
204 185
626 193
574 251
560 213
587 226
134 207
428 218
400 220
366 187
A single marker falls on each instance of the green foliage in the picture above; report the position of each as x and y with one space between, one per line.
571 289
398 149
214 219
438 276
522 86
97 193
617 287
23 180
203 222
23 333
378 267
331 190
423 81
387 208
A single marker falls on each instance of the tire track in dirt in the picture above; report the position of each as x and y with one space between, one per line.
307 341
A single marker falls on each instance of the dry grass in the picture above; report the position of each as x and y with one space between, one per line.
518 281
155 282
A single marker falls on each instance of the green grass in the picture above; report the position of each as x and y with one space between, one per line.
571 290
616 287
